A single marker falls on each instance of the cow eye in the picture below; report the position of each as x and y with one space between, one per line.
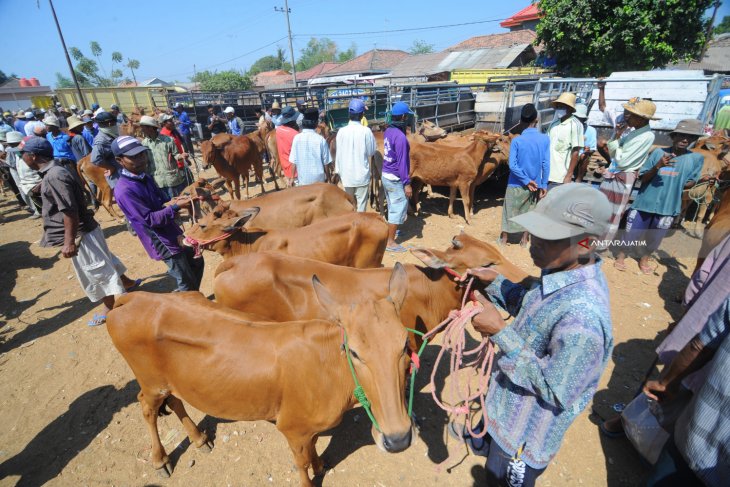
202 226
354 354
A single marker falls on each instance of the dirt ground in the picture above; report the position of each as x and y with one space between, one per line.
68 399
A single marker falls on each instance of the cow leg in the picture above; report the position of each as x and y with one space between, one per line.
452 198
416 187
302 446
466 200
150 406
200 440
472 190
258 169
273 176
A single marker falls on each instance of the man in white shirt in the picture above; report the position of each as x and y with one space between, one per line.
355 147
566 141
33 120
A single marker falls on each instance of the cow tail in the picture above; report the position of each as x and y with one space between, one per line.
163 411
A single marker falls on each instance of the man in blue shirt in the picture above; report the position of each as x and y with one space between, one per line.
664 176
60 141
20 121
590 141
552 355
235 124
529 164
184 127
89 131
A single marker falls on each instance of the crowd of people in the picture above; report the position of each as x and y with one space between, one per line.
551 356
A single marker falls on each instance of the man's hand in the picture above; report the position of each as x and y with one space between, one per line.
484 274
182 202
489 322
408 190
658 391
532 186
69 249
543 192
568 178
666 160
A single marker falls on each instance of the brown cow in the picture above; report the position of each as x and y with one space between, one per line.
716 165
185 347
240 282
716 230
259 138
233 157
294 207
447 165
95 174
353 239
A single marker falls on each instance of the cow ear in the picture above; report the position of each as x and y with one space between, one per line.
429 258
398 286
243 217
325 299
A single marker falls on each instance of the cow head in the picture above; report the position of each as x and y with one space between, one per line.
379 348
213 231
466 252
207 150
204 197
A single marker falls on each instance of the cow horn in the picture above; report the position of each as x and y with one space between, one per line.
457 244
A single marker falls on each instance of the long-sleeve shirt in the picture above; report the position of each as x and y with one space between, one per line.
702 433
80 147
529 159
550 358
162 161
88 135
101 151
355 147
142 202
396 155
184 123
629 153
310 153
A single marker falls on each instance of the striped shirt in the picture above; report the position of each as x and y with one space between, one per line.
702 433
550 358
310 153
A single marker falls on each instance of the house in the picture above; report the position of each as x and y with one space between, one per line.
15 96
154 82
715 60
372 64
505 39
525 19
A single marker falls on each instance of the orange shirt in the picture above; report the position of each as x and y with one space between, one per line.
284 139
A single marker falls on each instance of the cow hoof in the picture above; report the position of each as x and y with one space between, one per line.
165 471
206 447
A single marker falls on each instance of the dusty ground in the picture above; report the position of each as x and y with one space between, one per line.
68 400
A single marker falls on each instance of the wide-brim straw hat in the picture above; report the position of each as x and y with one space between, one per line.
566 99
149 121
74 121
643 108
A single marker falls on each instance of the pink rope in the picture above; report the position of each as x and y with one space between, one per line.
481 358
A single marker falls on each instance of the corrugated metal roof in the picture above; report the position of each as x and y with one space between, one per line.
716 59
426 64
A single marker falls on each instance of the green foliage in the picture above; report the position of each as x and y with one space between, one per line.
132 64
723 27
88 70
595 38
268 63
347 55
322 50
63 82
4 77
230 80
421 47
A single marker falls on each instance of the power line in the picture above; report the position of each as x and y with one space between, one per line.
402 30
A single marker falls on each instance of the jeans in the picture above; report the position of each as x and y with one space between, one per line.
186 269
173 191
397 201
361 194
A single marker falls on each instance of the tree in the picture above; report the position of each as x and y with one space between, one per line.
269 63
421 47
230 80
133 64
347 55
723 27
87 69
63 82
317 51
4 77
593 38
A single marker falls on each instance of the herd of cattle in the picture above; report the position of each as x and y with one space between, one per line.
302 273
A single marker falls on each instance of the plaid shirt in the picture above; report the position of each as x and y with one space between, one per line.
550 359
310 153
162 161
702 432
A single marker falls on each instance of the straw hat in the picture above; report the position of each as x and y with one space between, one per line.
148 121
566 99
689 126
275 105
643 108
74 121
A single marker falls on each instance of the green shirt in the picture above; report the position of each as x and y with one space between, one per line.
162 161
663 194
629 153
722 121
564 137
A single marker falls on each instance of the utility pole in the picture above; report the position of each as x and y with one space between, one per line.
68 59
708 35
287 11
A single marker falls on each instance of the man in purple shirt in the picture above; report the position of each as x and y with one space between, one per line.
142 202
396 170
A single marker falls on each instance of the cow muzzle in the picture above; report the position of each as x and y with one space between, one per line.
393 443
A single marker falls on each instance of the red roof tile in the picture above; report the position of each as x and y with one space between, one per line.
374 60
528 13
316 71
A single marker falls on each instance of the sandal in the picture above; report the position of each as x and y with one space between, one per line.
134 286
397 248
619 266
97 320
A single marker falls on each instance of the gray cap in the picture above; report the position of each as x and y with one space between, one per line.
689 126
569 210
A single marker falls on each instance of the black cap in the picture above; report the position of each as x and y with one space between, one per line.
104 117
311 114
529 113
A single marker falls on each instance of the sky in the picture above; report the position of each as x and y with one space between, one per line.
172 39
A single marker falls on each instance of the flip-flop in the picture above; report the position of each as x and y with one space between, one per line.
396 248
646 270
97 320
619 266
610 434
133 286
